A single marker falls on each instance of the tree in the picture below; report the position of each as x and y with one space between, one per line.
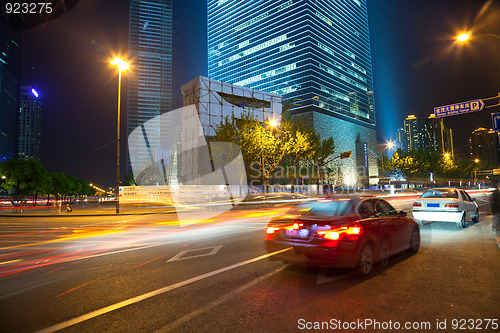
61 184
130 179
23 177
322 155
259 142
301 148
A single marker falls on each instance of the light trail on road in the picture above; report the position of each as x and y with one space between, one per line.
136 233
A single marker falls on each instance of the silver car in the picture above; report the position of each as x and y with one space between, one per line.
445 205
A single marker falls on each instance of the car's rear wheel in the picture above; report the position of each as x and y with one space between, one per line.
366 260
462 222
475 219
414 240
384 251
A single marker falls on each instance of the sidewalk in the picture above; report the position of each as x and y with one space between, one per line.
79 210
109 208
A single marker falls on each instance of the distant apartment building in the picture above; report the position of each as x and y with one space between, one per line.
400 140
30 124
426 134
412 131
484 145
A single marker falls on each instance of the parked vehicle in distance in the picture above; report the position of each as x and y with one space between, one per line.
445 205
342 231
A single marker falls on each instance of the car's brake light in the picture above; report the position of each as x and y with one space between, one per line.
452 205
417 204
295 226
271 230
354 230
329 234
351 232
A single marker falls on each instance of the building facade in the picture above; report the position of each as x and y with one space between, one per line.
484 145
215 101
10 72
315 54
425 134
150 76
30 124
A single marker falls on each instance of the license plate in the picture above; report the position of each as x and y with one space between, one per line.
434 205
300 233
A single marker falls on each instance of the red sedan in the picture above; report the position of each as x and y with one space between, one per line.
342 231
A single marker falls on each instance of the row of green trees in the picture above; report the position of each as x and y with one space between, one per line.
418 164
292 146
285 150
20 178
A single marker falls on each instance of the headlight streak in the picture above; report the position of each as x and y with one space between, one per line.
83 244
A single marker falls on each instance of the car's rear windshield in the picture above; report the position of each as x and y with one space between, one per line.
442 193
332 208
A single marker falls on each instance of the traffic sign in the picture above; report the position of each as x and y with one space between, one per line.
495 120
459 108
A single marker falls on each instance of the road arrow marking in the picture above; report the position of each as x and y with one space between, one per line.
180 255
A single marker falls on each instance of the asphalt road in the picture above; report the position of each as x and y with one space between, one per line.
147 274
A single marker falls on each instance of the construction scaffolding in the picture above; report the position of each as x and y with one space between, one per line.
217 100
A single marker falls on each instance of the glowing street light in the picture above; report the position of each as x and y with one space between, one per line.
122 66
463 37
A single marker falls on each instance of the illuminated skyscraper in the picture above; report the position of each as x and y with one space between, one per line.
30 124
10 72
150 76
315 54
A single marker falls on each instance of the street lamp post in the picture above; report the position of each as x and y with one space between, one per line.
476 161
388 145
273 123
122 66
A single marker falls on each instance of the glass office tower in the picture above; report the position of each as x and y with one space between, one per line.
150 75
10 73
315 54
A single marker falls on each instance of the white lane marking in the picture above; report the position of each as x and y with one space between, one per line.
180 255
153 293
176 323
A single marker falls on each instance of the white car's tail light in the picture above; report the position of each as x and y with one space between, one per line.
417 204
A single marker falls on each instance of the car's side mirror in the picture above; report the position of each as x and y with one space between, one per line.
402 213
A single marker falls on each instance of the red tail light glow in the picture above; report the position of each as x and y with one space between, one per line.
417 204
452 205
350 233
295 226
271 230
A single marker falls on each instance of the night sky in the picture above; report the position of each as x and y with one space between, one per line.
416 66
